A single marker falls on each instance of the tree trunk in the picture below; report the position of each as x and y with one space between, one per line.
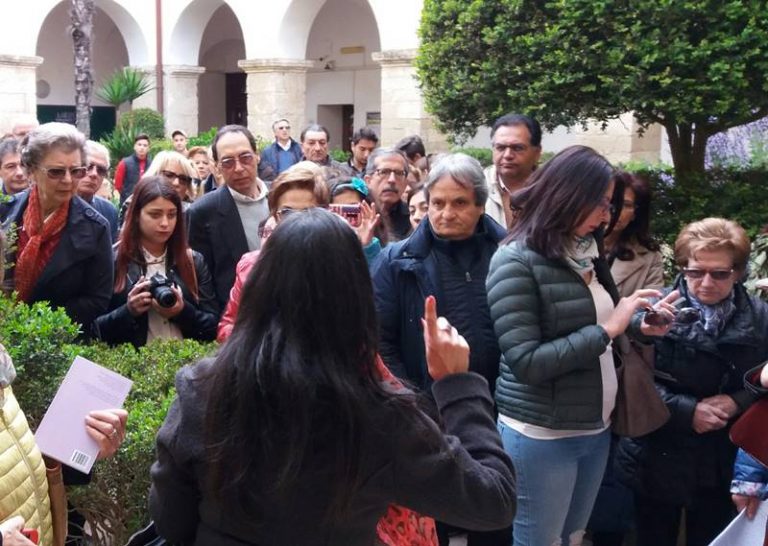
688 144
81 17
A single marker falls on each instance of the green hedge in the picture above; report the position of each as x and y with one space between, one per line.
143 120
41 343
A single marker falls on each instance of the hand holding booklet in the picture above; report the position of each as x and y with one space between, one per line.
86 387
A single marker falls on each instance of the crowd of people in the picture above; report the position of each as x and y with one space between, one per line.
412 346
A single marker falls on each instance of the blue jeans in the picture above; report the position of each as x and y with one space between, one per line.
557 483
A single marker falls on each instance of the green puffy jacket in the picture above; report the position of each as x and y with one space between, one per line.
545 321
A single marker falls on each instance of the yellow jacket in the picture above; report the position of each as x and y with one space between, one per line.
23 487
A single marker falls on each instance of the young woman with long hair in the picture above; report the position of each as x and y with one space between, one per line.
555 311
162 287
289 436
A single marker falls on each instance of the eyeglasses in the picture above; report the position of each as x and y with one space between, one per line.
514 148
100 170
245 159
284 212
715 274
59 173
283 128
170 176
386 173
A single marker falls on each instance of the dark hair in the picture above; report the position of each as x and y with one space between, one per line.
558 197
413 190
365 133
232 129
129 251
411 146
286 384
639 229
8 146
315 128
510 120
141 136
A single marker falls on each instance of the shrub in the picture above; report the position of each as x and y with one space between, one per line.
119 143
159 145
203 139
339 155
483 155
41 343
143 120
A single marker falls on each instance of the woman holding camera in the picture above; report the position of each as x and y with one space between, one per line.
162 287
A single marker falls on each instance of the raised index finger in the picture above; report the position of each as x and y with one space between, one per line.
430 315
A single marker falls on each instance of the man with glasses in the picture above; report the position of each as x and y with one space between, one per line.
13 178
224 224
281 154
387 179
98 167
516 146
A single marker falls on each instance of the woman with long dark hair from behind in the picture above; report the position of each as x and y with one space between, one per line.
288 436
162 287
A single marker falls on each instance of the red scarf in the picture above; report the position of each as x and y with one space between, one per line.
37 242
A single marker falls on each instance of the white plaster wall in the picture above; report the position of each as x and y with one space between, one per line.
355 78
55 46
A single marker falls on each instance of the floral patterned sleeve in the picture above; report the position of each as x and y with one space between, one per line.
750 478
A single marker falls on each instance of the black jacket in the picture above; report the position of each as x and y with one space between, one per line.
673 462
78 276
216 232
464 478
197 320
404 274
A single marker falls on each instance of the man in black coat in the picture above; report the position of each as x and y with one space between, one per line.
223 225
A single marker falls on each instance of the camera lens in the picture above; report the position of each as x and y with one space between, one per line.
164 296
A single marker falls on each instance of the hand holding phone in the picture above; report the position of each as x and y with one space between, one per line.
33 535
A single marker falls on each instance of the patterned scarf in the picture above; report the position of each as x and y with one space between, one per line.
714 317
30 263
581 254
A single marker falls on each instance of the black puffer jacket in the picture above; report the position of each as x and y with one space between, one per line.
674 461
197 320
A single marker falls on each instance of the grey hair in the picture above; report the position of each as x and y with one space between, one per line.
384 152
464 170
93 146
48 136
9 145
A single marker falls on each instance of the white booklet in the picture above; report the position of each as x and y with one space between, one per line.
86 387
743 531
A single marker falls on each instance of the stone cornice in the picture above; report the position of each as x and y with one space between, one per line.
275 65
21 61
395 57
183 70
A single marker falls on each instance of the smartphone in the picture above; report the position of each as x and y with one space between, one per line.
32 535
351 213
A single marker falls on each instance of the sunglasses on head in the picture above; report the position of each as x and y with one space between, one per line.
59 173
716 274
245 159
170 175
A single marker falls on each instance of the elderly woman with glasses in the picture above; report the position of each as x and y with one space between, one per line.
63 247
699 370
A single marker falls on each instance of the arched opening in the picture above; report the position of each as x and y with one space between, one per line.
222 91
344 88
55 77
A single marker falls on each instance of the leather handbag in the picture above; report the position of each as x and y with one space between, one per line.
749 431
639 408
58 498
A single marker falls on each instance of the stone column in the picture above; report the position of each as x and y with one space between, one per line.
402 105
181 104
619 141
277 88
18 89
147 100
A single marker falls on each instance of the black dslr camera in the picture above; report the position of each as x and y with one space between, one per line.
161 291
